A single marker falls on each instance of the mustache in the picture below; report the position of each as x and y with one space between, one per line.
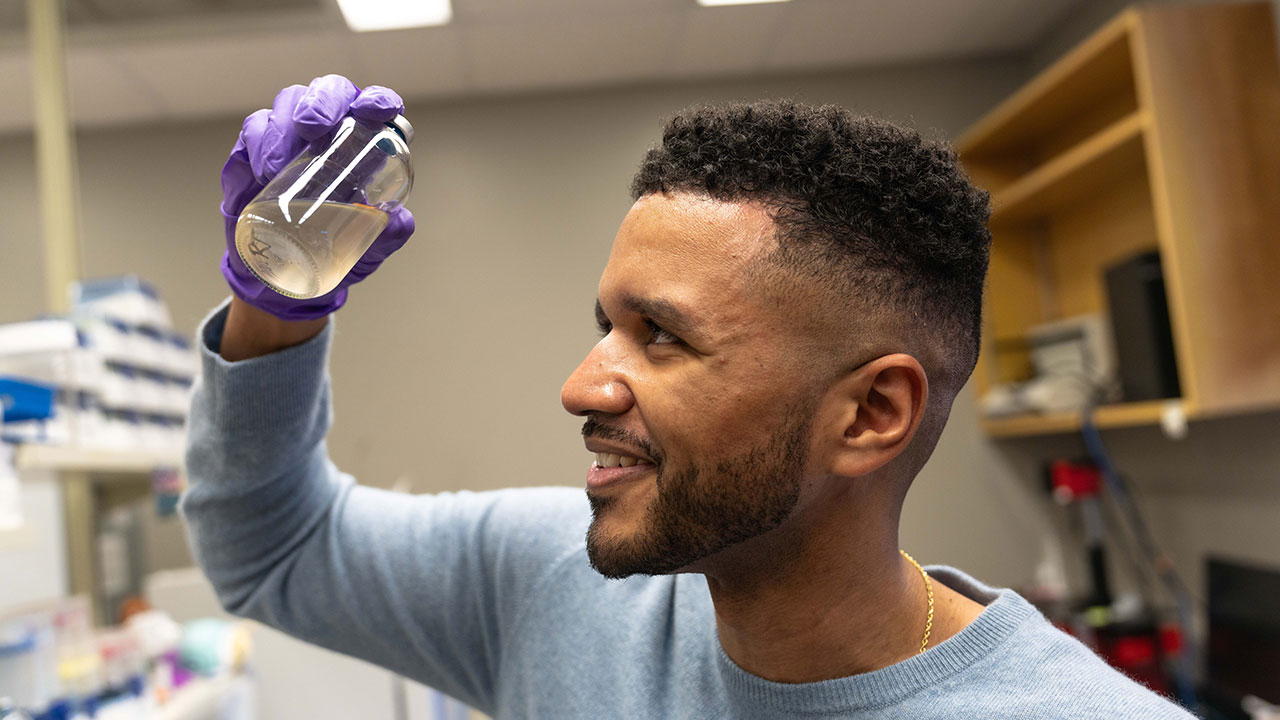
594 428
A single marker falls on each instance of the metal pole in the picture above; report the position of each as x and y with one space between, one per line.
55 152
78 505
59 219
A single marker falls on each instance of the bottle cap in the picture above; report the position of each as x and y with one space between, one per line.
401 125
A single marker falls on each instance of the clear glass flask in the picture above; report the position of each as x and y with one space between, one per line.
310 225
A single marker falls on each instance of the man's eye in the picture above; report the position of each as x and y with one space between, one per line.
660 336
604 326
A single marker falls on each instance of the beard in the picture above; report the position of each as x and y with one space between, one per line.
702 508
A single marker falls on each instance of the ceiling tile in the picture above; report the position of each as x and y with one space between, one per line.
845 32
416 63
725 40
832 33
209 57
504 11
553 54
88 12
234 74
1001 26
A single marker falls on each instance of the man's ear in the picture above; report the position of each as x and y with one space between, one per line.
879 406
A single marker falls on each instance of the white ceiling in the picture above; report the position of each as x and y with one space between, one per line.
211 57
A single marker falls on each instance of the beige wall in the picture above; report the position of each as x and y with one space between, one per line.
448 363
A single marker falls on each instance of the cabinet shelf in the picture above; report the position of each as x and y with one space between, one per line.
118 462
1084 91
1113 152
1107 416
1154 134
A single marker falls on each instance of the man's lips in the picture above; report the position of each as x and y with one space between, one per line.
614 463
599 477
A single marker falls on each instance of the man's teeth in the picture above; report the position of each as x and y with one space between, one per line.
611 460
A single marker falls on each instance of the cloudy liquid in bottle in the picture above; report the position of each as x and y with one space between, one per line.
304 248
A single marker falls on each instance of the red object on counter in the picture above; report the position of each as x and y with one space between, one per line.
1074 481
1137 656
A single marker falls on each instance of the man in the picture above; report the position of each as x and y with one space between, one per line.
789 309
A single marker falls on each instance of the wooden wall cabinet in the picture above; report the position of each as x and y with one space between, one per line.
1161 131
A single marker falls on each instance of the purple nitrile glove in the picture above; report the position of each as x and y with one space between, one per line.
270 140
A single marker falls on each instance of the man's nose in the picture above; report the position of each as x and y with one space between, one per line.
598 385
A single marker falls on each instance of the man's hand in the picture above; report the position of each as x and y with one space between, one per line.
269 140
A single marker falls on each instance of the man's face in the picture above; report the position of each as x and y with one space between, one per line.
691 394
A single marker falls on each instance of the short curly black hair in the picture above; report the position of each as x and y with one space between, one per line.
872 210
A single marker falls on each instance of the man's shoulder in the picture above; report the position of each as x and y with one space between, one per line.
1058 674
1037 670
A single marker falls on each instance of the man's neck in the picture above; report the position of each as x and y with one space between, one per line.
829 614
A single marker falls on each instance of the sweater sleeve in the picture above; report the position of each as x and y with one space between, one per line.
427 586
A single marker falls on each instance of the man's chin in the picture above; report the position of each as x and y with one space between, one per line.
608 551
617 554
607 566
621 554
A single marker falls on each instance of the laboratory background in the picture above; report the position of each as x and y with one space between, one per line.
1115 458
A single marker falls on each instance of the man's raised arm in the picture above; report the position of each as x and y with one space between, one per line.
425 585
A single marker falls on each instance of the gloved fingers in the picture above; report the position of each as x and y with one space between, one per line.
393 237
230 217
232 263
377 104
272 145
238 182
324 103
399 227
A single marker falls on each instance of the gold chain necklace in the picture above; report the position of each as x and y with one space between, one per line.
928 588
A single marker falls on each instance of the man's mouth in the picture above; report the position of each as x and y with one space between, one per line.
614 469
610 460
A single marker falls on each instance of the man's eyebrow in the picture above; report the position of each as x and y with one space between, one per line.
662 311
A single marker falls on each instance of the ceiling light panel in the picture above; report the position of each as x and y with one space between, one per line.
722 3
370 15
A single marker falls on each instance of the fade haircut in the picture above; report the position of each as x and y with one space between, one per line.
874 213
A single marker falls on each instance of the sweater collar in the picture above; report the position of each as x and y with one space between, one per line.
1005 611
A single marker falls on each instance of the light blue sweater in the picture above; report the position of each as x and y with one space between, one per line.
488 596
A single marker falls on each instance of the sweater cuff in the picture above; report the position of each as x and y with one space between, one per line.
266 396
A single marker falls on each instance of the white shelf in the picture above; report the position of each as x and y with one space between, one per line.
52 457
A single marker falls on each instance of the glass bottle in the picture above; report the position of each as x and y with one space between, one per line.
310 225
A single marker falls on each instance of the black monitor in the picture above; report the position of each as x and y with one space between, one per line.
1243 652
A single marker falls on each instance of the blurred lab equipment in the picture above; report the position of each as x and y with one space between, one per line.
54 665
1242 664
114 371
94 400
1073 365
1139 311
